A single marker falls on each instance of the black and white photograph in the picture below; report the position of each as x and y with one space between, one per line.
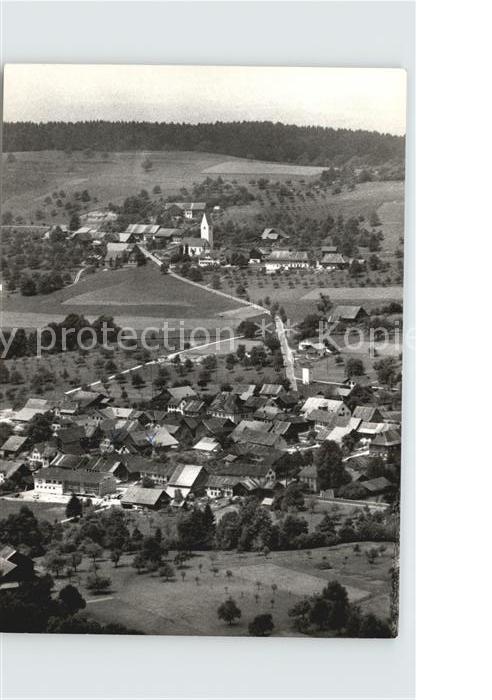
202 350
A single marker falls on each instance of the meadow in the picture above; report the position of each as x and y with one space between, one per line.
273 584
129 292
53 512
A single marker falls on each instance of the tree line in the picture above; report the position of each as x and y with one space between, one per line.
248 139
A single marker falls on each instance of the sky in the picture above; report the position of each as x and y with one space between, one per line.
353 98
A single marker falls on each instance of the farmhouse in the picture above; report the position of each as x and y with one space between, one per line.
347 313
313 344
336 406
161 439
98 218
121 253
190 210
286 260
273 234
309 476
159 472
9 467
220 486
187 478
14 567
372 414
13 446
30 409
141 230
164 236
207 445
334 261
386 445
153 498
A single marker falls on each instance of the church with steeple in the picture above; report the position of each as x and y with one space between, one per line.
207 230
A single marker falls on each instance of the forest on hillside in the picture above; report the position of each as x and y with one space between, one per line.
307 145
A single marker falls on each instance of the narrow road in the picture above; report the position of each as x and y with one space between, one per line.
77 277
287 353
241 302
154 362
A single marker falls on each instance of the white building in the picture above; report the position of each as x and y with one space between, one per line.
207 230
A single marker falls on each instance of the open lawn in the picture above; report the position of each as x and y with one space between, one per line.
188 604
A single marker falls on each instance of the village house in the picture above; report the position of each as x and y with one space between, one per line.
333 261
161 439
375 488
347 314
273 234
309 476
336 406
207 445
151 498
31 408
118 254
259 470
189 210
41 455
371 414
14 446
186 479
286 260
9 468
314 344
218 428
164 236
386 445
15 567
221 486
226 405
260 437
98 218
210 258
139 231
158 472
58 482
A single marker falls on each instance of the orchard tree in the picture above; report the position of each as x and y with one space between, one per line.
74 507
229 611
261 626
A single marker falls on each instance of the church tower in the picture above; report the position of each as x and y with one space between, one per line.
207 230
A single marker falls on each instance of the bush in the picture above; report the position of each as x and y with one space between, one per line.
98 584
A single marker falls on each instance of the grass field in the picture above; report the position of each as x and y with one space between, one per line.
130 292
44 511
189 606
258 167
380 294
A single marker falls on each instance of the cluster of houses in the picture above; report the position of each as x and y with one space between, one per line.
115 249
207 442
123 247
